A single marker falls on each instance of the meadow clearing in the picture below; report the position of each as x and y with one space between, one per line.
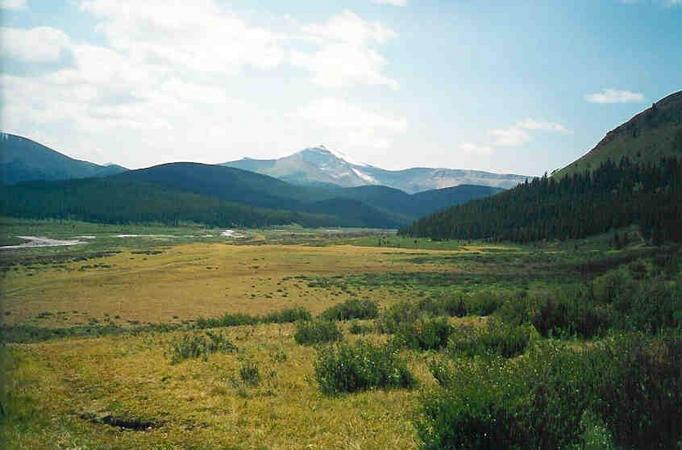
185 338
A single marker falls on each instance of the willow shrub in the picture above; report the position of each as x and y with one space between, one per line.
317 332
345 368
630 386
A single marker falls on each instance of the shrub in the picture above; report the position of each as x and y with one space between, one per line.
227 320
197 345
249 373
484 303
360 328
398 315
655 306
626 391
317 332
350 368
287 315
566 316
352 309
496 339
426 333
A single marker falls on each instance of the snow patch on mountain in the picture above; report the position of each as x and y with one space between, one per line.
365 177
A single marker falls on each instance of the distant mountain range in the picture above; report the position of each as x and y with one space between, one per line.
22 159
320 165
633 176
42 183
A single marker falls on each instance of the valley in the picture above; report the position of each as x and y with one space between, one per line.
94 333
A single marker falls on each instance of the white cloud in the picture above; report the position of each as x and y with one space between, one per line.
195 36
345 125
13 4
40 44
161 85
532 124
614 96
390 2
509 137
520 133
345 55
469 147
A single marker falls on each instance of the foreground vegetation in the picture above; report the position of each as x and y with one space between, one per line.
398 343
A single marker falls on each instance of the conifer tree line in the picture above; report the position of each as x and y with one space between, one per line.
612 196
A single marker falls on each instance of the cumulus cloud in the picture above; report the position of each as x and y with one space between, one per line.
160 85
469 147
197 36
520 133
346 125
346 55
13 4
39 44
606 96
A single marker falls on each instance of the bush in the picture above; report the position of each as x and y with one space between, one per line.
426 333
496 339
576 314
348 368
406 313
249 373
352 309
626 390
287 315
397 316
657 305
317 332
198 345
226 320
484 303
360 328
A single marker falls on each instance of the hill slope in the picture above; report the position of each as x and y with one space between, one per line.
321 166
644 187
377 205
647 137
220 195
115 200
22 159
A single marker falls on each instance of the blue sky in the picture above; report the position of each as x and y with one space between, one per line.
522 86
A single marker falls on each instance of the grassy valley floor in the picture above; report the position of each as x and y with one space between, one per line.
120 388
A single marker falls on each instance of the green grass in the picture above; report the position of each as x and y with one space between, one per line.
191 343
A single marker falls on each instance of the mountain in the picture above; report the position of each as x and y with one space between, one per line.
647 137
22 159
223 196
633 176
322 166
119 200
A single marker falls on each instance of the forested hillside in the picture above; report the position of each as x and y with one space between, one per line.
223 196
115 200
22 159
576 206
653 134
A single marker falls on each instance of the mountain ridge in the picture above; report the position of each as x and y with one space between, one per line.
23 159
648 136
320 165
633 176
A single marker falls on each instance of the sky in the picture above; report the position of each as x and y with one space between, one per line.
520 86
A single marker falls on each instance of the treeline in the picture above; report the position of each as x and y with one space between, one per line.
111 200
612 196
